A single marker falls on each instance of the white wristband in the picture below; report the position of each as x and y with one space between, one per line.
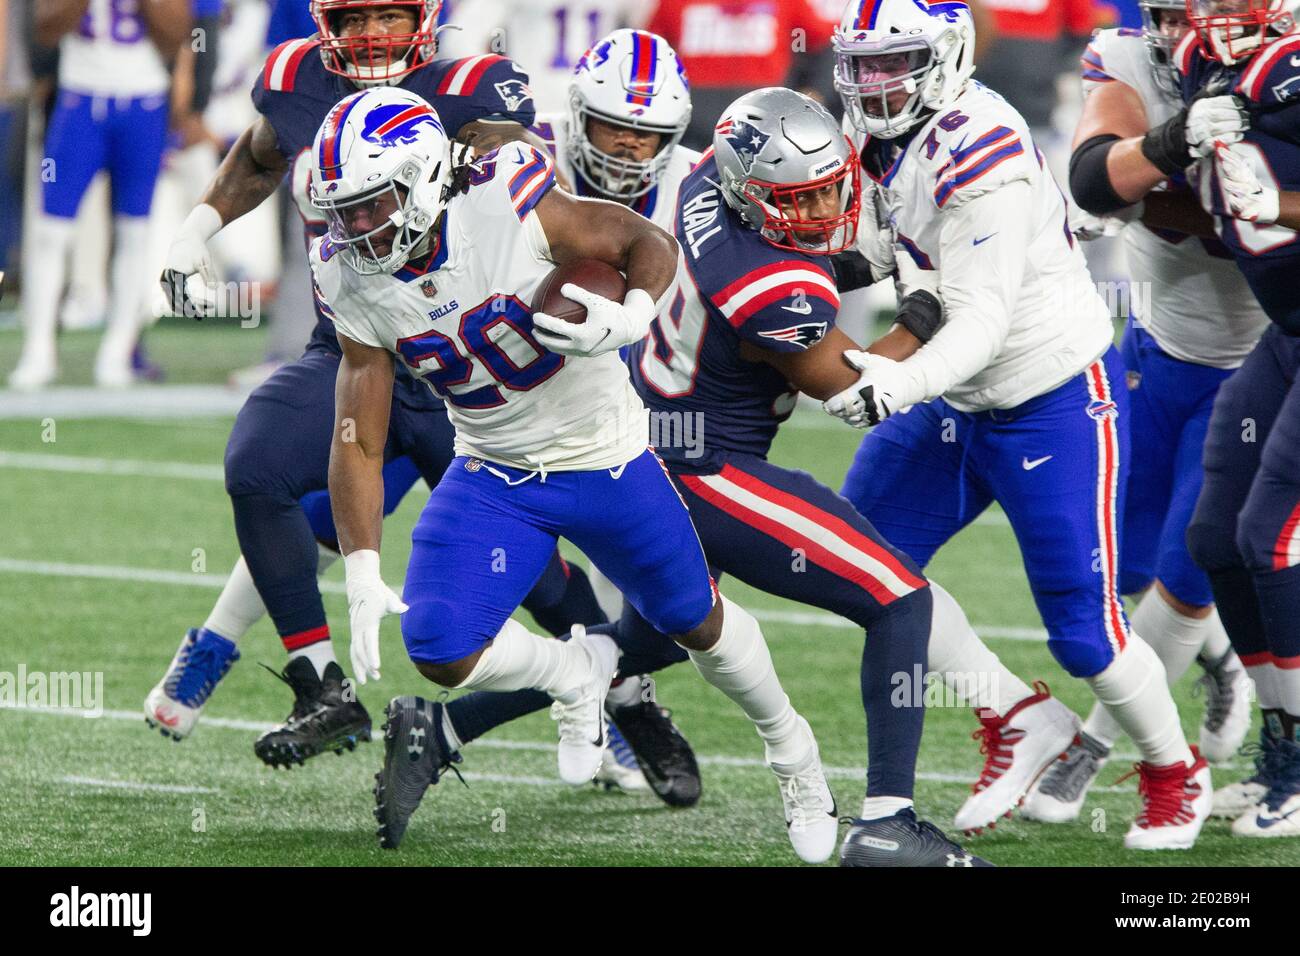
203 221
363 563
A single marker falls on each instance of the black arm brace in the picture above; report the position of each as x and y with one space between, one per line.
1089 180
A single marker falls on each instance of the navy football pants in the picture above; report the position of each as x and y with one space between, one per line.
1246 528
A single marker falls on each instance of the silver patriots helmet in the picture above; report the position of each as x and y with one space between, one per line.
788 171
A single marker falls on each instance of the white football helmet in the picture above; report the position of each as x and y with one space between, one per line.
630 78
381 164
888 49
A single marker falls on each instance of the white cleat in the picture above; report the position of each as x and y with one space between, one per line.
1278 811
612 775
32 374
582 722
1232 801
811 817
1228 693
1176 801
1018 749
171 717
114 376
1058 795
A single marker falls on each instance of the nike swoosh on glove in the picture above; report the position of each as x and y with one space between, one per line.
1215 119
1248 198
880 391
369 601
610 325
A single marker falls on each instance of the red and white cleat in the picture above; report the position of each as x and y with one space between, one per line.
1017 748
1176 801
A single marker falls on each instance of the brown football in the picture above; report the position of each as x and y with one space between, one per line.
592 274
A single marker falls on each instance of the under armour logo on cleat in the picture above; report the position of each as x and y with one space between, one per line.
959 859
415 742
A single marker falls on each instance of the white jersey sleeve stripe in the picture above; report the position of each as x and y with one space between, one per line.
283 57
457 86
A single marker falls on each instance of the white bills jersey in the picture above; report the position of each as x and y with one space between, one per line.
110 53
658 205
459 318
1188 293
545 37
1057 324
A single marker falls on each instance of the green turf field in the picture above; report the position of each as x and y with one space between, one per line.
98 573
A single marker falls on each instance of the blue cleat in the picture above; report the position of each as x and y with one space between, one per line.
174 704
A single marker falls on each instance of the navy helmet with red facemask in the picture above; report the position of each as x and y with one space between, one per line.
374 59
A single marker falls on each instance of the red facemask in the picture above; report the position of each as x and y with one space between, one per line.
377 58
823 236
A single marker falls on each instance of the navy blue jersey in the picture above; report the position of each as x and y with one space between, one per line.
733 288
295 92
1269 82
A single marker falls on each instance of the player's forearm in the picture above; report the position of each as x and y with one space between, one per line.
243 182
1132 175
168 23
54 18
356 485
896 344
1288 209
1178 211
651 261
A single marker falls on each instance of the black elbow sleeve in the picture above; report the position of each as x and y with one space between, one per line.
1090 181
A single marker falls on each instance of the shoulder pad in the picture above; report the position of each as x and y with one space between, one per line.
1273 77
513 177
281 69
980 163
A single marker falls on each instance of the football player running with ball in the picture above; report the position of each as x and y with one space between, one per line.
277 457
551 440
1016 399
1183 340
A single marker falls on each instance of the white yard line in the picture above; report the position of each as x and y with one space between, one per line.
133 785
115 572
76 464
142 401
707 760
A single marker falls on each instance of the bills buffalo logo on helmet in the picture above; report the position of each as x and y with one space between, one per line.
397 123
805 335
514 93
748 141
593 57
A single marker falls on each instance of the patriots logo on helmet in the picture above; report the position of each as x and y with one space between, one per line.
805 335
747 140
514 93
397 123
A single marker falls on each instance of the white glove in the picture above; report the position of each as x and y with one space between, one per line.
369 599
1088 226
189 281
1248 198
1212 120
610 325
883 389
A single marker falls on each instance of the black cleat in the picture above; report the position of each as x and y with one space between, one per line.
662 752
415 756
902 840
322 718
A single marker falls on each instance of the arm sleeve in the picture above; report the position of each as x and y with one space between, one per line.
980 287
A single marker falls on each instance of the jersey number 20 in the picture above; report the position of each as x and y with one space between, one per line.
498 334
